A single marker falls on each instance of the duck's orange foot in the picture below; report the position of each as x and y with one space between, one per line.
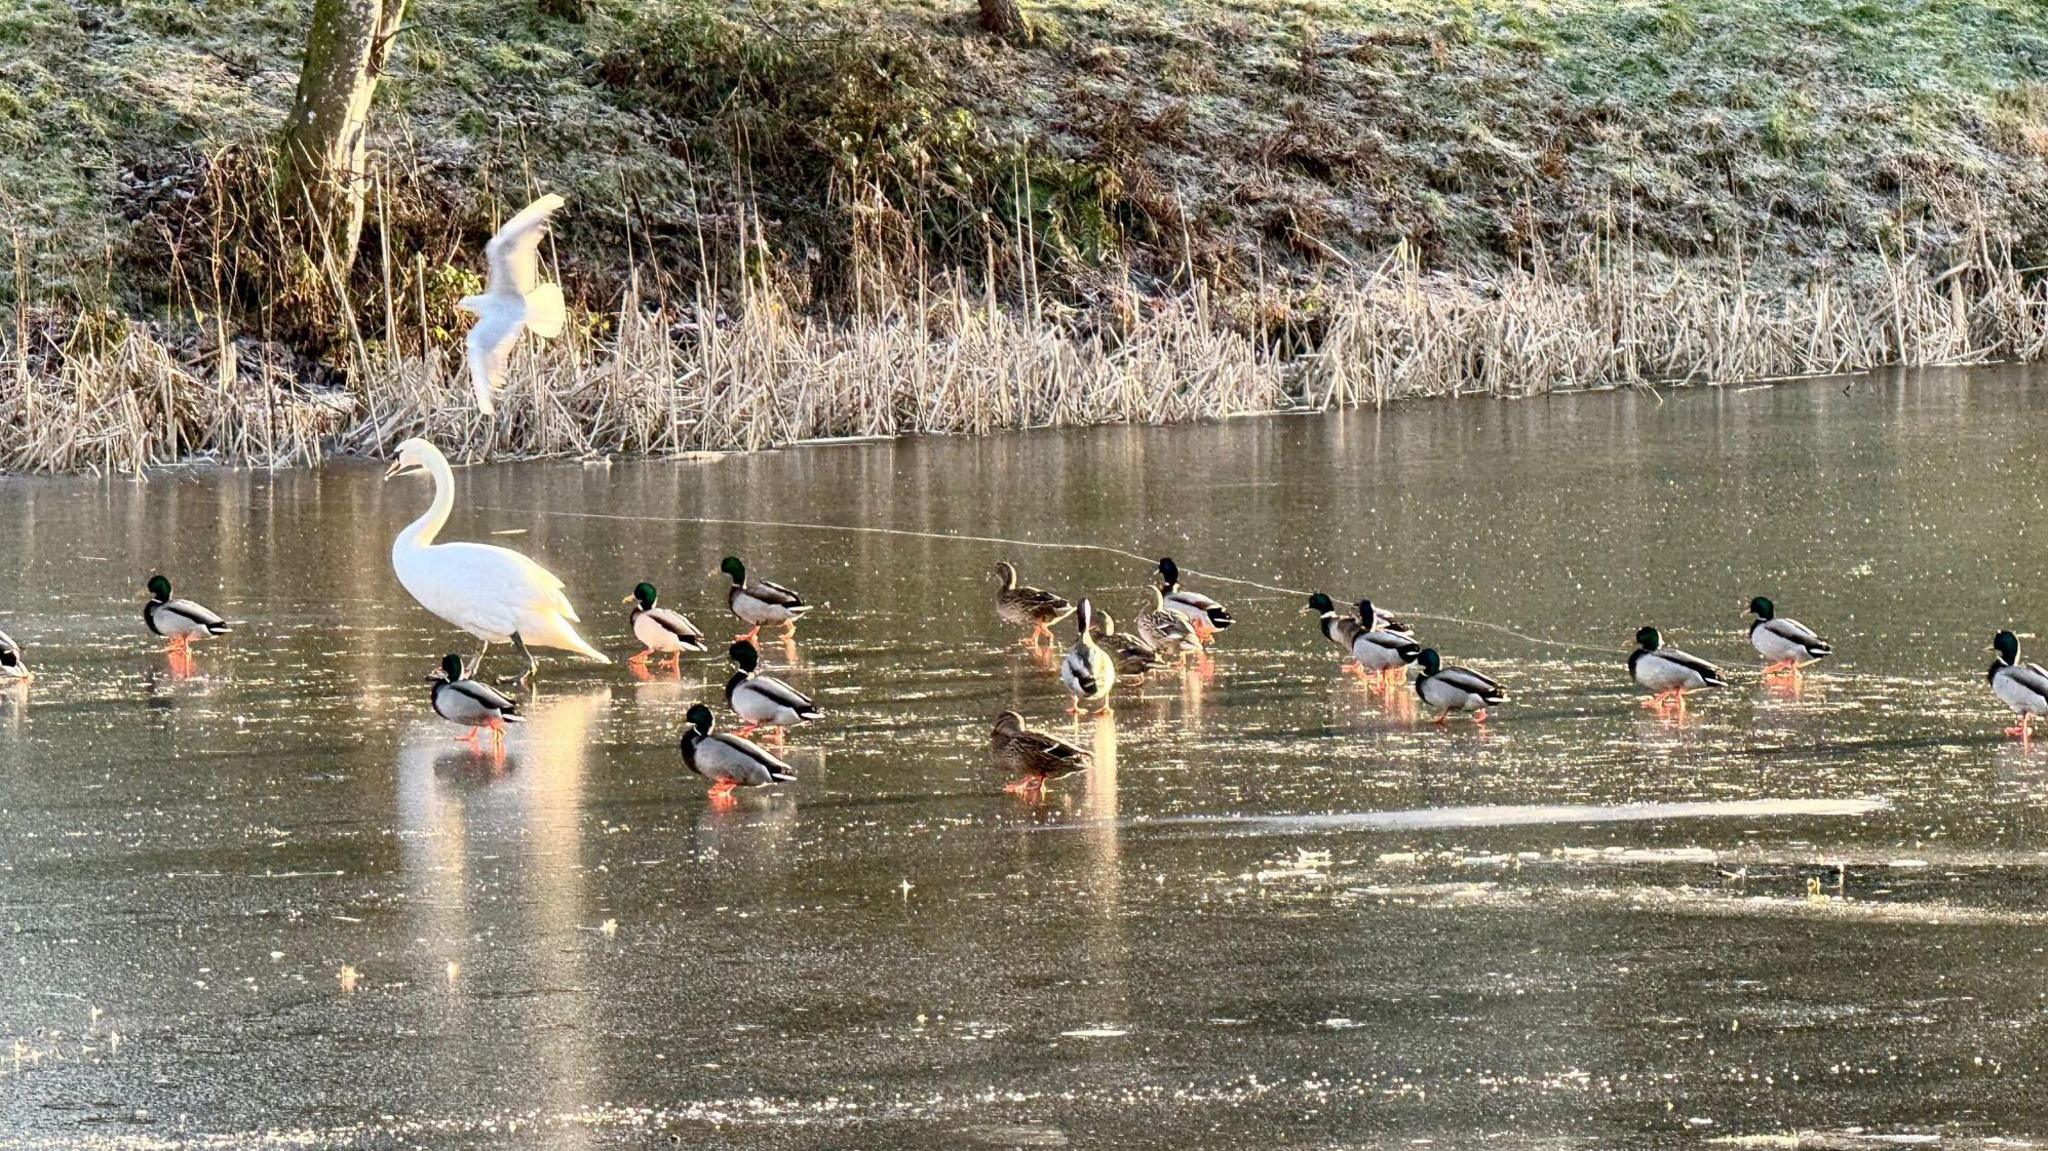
723 789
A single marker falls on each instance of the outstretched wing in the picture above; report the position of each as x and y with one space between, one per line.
514 253
490 346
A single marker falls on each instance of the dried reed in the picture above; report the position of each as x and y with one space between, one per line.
671 379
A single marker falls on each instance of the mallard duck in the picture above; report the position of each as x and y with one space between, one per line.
180 620
477 706
1023 606
729 761
1449 689
1165 631
1038 757
2023 686
1374 619
1669 672
1133 656
760 603
1087 670
493 593
763 700
1338 628
11 664
660 630
1787 643
1382 651
1208 616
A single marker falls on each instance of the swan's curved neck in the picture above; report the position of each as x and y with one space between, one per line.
421 532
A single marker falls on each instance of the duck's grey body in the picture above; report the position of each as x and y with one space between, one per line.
1451 689
732 760
2023 686
1200 610
1384 650
474 704
763 699
1664 669
182 619
1783 640
1197 608
662 630
762 602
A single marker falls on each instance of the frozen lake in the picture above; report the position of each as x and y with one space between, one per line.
1281 912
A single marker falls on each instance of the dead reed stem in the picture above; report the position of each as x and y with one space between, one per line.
671 379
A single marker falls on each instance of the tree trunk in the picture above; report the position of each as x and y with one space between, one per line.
321 185
1003 18
570 10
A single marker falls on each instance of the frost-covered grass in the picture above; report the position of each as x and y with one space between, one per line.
1270 138
1277 156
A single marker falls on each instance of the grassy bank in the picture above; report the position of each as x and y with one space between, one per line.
795 220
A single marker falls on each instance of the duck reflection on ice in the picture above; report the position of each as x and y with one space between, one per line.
13 703
165 688
493 867
746 839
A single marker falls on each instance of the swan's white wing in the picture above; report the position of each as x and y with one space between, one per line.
514 253
489 590
491 339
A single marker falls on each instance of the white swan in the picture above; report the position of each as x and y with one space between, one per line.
493 593
514 299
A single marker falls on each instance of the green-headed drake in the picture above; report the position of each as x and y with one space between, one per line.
1448 689
728 761
760 603
659 630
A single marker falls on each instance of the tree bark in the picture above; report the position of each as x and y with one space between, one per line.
321 185
1004 18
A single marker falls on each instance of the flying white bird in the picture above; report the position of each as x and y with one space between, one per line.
515 299
493 593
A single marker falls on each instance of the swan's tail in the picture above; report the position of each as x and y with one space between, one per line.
556 632
545 312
